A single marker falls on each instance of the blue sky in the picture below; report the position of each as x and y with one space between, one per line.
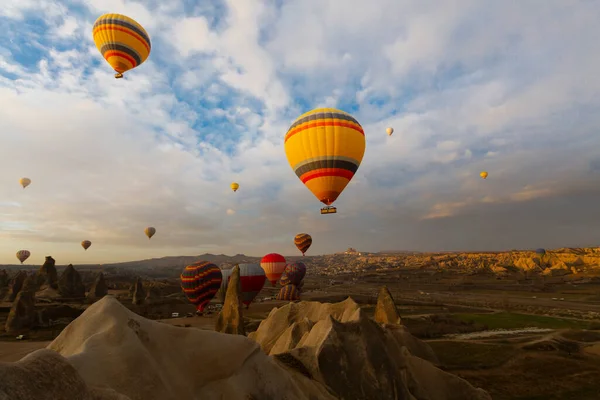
467 86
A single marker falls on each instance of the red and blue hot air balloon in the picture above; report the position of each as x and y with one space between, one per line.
293 274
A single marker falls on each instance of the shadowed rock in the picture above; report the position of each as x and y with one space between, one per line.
70 284
357 357
230 319
139 294
4 282
153 295
98 289
22 315
16 285
46 375
48 275
386 311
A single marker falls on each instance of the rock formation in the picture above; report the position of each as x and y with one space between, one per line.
98 289
15 285
112 347
22 315
70 284
48 275
4 282
139 294
356 357
386 311
45 375
230 319
152 295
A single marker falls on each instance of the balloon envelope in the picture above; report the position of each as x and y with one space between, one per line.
273 264
25 182
483 174
303 242
23 255
325 147
389 131
235 186
288 292
200 282
252 280
86 244
540 251
150 231
122 41
293 274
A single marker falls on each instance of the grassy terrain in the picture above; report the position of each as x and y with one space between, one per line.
470 355
506 320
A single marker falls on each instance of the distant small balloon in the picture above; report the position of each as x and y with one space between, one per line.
483 174
150 231
86 244
25 182
235 186
389 131
23 255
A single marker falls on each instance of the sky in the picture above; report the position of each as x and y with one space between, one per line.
468 85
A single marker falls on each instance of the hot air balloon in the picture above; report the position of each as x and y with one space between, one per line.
293 274
25 182
540 251
23 255
123 42
303 242
235 186
389 131
288 292
200 282
252 280
86 244
483 174
150 231
273 264
325 147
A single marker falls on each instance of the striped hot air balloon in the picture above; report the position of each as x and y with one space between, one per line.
325 147
252 280
273 264
23 255
289 292
200 282
86 244
123 42
293 274
303 242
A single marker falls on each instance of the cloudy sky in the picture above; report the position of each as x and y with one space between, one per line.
468 85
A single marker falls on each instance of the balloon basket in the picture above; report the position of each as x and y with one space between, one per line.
328 210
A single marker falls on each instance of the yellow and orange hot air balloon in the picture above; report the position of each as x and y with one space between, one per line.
123 42
23 255
303 242
325 147
235 186
483 174
150 231
25 182
86 244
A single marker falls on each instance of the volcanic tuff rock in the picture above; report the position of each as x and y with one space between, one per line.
70 284
112 347
98 289
16 284
355 357
22 315
386 311
48 275
45 375
139 294
231 319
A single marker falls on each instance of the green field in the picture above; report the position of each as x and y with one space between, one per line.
506 320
